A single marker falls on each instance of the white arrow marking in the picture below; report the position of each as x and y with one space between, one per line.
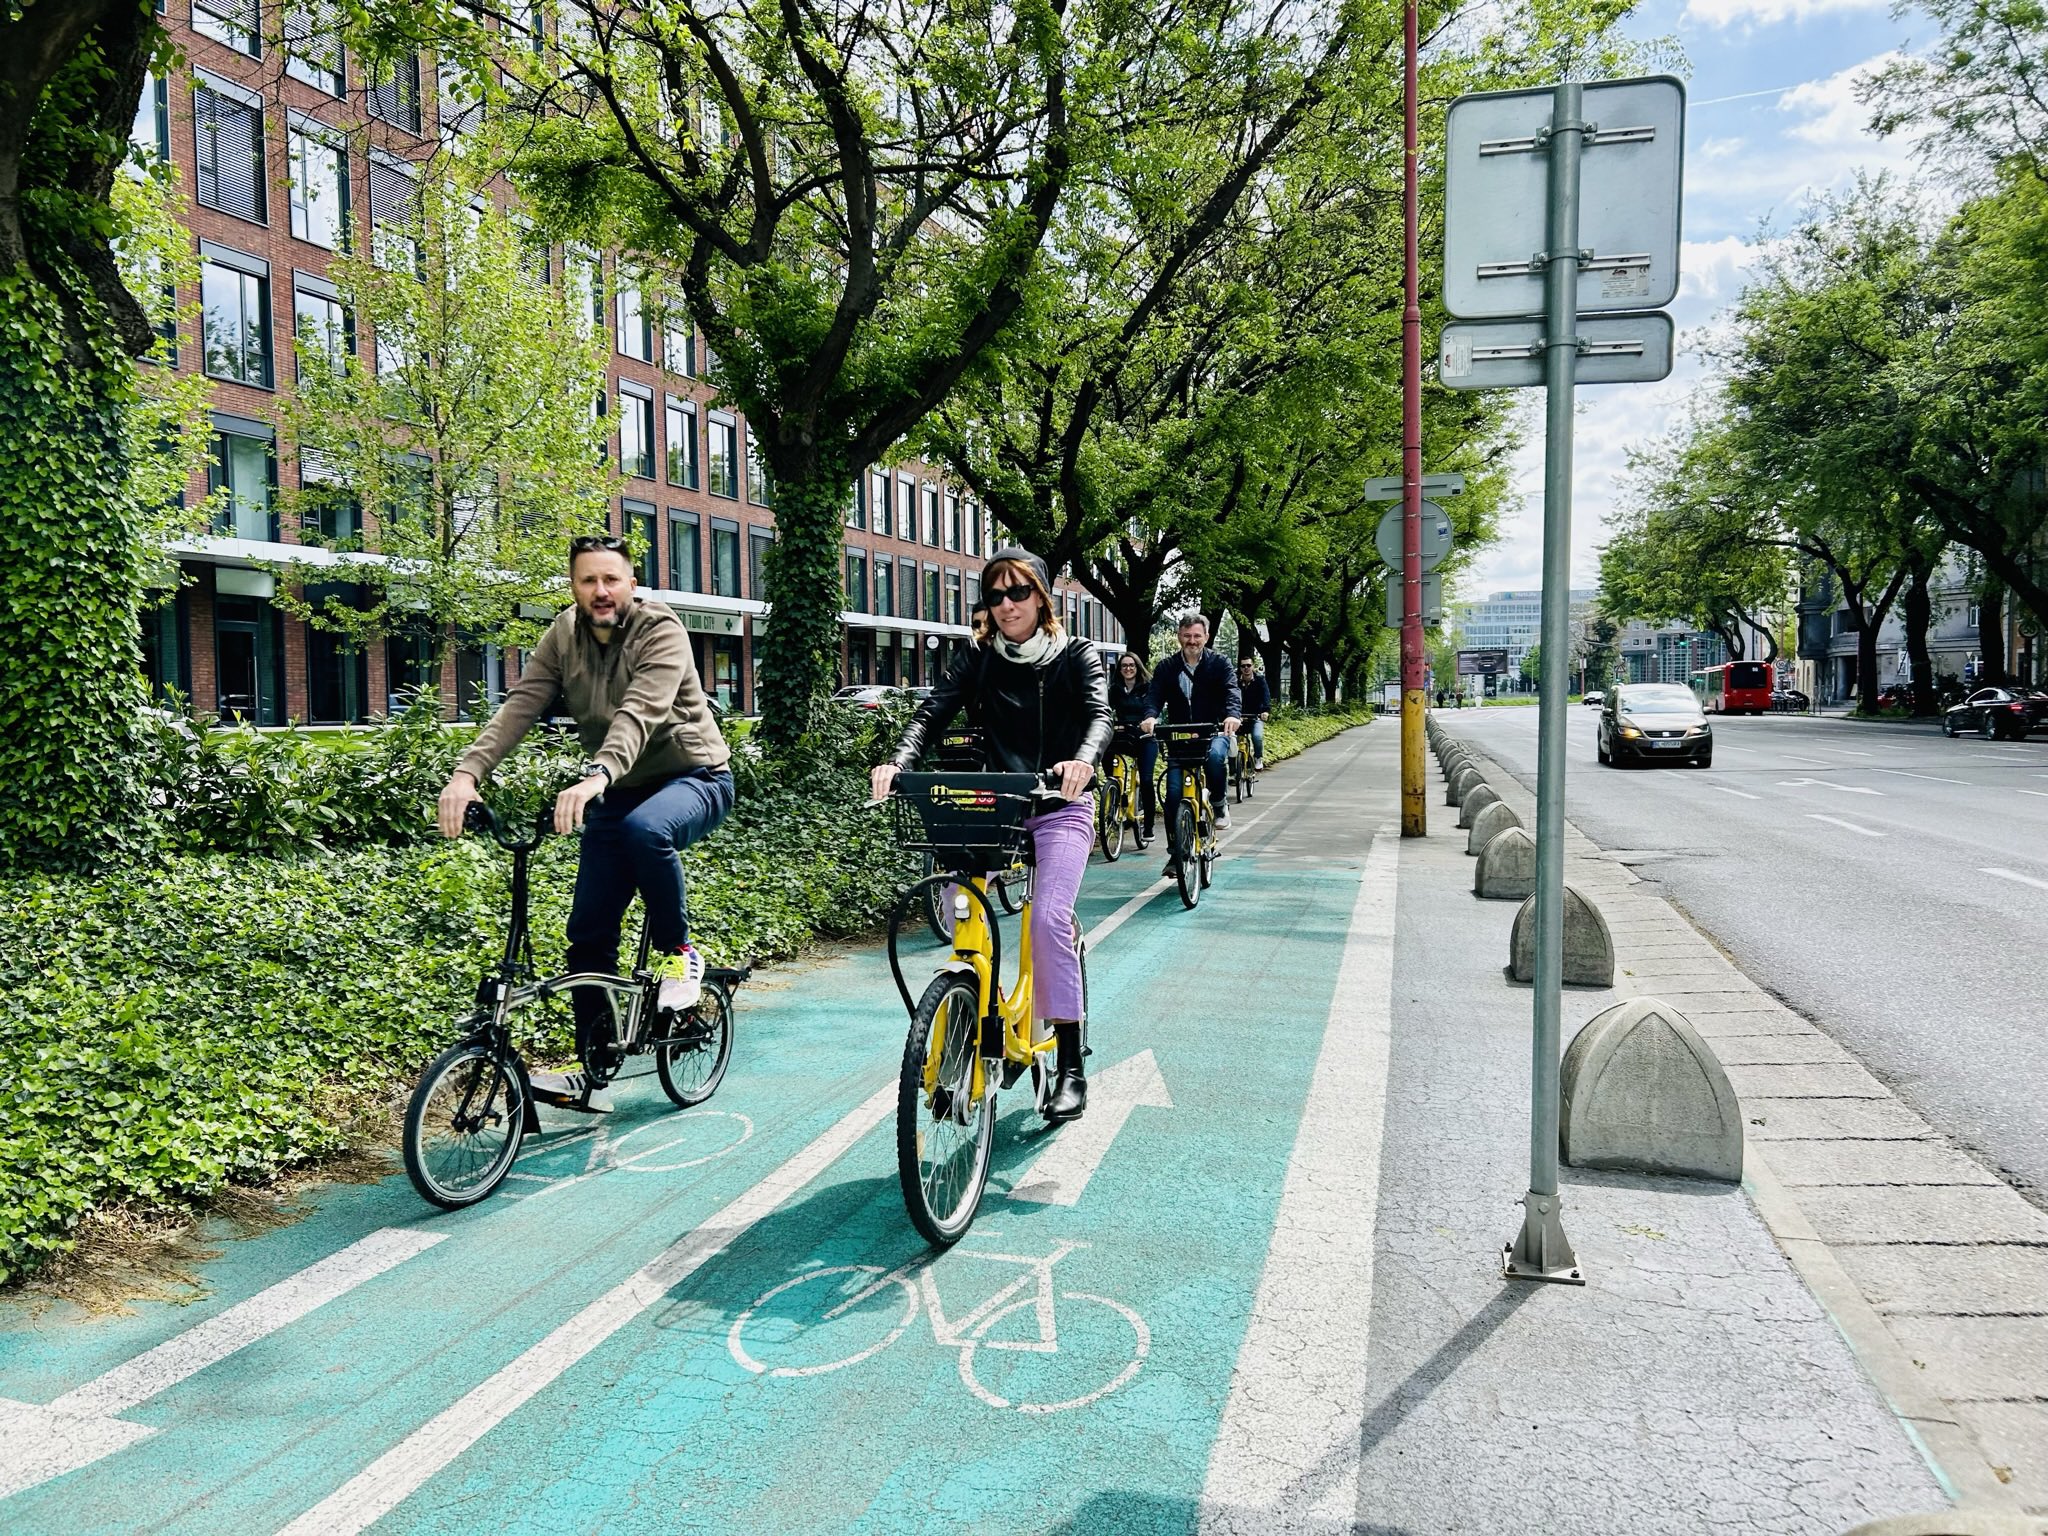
1059 1173
80 1427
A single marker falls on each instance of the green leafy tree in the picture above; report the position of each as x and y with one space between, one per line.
70 520
450 429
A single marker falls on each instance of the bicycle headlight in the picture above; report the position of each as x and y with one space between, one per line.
959 906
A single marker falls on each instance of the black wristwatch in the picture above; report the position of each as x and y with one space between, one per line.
594 766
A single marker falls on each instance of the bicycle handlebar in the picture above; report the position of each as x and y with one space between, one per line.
479 817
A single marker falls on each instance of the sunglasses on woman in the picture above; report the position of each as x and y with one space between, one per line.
1020 594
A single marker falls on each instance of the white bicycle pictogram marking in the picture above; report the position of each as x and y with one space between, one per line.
969 1334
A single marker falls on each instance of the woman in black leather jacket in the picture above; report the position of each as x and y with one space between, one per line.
1040 700
1130 683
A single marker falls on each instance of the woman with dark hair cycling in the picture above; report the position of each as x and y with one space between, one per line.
1040 701
1130 683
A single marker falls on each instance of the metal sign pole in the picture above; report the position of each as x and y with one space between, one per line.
1414 798
1541 1251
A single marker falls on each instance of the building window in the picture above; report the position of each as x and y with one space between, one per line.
394 92
319 172
684 557
325 331
248 672
760 483
725 558
878 503
885 585
973 595
974 516
244 465
337 674
152 131
227 130
458 103
636 330
758 540
679 346
679 418
953 597
857 507
932 610
953 529
931 514
856 581
233 22
330 512
640 528
724 457
235 317
312 45
636 433
583 273
906 508
394 216
906 589
166 659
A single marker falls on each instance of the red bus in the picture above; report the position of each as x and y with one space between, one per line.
1736 688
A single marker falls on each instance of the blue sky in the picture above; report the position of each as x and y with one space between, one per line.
1772 115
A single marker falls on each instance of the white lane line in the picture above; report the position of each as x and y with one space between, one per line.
2043 793
1727 791
80 1427
383 1485
1902 773
2015 875
1836 821
1851 752
1059 1174
1287 1448
1129 909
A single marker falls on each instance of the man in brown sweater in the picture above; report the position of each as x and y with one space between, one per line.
656 782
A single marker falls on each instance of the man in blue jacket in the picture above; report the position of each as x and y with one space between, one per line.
1257 701
1192 684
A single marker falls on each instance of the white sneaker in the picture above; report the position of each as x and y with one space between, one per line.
1222 817
562 1088
682 978
595 1101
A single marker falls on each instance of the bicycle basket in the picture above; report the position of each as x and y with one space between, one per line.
958 750
1184 746
969 821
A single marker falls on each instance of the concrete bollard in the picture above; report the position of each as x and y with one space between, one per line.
1460 783
1507 867
1493 820
1477 799
1453 760
1643 1093
1588 947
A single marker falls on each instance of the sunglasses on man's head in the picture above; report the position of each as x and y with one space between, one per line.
584 543
1020 594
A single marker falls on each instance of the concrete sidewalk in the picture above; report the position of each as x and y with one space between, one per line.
1847 1336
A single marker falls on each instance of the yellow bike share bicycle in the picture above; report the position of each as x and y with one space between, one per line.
1120 807
969 1035
1190 826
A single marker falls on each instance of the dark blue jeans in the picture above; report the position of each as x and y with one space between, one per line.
630 841
1217 766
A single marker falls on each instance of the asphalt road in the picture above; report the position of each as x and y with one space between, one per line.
1889 884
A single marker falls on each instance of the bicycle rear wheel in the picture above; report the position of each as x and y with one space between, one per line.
1109 820
1182 839
464 1125
691 1060
938 913
943 1138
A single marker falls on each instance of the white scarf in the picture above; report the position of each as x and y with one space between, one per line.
1035 652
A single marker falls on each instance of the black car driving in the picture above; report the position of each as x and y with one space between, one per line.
2004 714
1654 723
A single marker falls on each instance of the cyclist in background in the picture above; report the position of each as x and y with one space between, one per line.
1130 700
1256 699
656 782
1195 684
1040 701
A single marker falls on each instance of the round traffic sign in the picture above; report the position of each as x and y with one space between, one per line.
1436 535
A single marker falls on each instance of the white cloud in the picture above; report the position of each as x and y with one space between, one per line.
1729 13
1831 115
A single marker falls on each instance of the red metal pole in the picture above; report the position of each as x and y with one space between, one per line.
1414 800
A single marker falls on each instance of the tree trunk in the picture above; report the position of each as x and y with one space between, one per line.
798 651
1919 615
1991 630
1297 673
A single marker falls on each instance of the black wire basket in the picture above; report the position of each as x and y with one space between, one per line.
968 822
1184 744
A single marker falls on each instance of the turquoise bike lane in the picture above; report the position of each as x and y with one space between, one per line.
721 1320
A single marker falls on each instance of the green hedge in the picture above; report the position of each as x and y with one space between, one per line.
1291 731
217 1016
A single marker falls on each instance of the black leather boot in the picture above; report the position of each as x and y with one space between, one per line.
1070 1084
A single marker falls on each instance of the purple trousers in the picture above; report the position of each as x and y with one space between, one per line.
1062 838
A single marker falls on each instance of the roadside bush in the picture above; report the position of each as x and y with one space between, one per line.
1292 731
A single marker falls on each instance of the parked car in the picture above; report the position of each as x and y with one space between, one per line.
864 695
1596 698
1654 722
2006 714
1790 701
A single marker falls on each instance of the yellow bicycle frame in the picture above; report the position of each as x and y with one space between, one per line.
973 946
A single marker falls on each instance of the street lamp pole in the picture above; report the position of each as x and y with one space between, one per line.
1414 800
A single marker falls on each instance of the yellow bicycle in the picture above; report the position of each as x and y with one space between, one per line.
1120 807
970 1036
1190 828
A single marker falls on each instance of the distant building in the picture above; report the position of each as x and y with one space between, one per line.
1510 621
1668 653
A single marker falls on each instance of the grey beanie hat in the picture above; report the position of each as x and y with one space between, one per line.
1011 554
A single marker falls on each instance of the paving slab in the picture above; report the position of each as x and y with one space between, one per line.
1978 1358
1721 1024
1772 1120
1801 1163
1940 1277
1837 1080
2015 1438
1904 1214
1789 1049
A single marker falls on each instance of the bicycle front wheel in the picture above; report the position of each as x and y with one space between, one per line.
464 1125
1185 854
1109 818
692 1058
943 1135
